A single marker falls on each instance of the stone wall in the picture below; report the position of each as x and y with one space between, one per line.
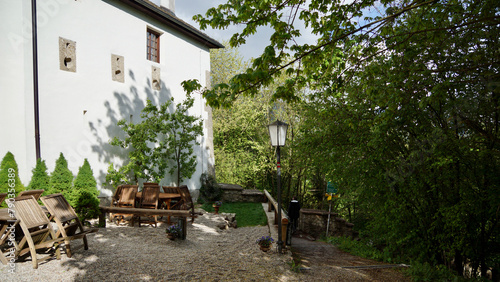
314 223
233 193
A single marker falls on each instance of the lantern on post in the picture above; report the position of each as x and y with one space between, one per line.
277 132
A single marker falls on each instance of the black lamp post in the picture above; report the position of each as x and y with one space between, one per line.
277 132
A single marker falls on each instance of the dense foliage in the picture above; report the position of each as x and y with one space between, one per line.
86 206
40 178
210 190
243 154
85 179
401 109
9 175
61 179
172 131
84 197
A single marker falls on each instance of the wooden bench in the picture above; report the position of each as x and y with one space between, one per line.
183 214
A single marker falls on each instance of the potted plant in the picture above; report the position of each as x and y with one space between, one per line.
173 231
216 206
265 243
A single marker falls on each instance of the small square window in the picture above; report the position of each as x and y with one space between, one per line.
153 46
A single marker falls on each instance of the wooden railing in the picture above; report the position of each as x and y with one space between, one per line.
273 205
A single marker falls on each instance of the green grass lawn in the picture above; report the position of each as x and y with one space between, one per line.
247 214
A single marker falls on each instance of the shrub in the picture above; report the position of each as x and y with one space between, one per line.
9 175
210 191
427 272
40 178
61 179
85 180
86 206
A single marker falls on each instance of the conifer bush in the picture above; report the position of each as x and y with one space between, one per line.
40 178
84 200
210 190
61 179
86 206
85 179
9 174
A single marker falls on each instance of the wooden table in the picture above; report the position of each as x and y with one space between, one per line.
182 214
164 198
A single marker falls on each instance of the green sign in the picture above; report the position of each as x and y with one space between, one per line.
332 188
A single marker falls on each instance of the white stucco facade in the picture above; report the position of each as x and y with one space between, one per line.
78 110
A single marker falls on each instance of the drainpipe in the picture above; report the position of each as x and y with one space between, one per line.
35 78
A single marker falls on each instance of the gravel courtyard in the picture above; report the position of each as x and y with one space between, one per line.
145 254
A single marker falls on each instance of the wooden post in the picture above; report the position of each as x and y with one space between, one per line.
182 222
102 219
284 226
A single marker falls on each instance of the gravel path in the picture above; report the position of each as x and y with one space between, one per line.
138 254
325 262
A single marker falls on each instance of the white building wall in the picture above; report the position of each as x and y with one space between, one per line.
79 110
16 86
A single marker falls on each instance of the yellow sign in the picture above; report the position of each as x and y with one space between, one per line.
330 196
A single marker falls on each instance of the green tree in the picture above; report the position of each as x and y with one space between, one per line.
402 110
241 138
136 141
40 178
61 179
9 175
164 138
176 133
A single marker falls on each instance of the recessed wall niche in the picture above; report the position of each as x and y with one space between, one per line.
117 68
155 75
67 55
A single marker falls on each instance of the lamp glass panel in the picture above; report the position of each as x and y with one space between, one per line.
277 132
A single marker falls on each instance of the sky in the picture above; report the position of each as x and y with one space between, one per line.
186 9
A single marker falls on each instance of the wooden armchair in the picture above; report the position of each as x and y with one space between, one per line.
35 193
187 201
69 225
125 198
38 233
149 200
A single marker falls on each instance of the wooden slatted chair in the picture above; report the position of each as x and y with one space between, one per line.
38 233
35 193
187 201
128 199
5 231
125 200
69 225
149 200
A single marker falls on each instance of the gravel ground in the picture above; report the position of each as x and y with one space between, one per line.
137 254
